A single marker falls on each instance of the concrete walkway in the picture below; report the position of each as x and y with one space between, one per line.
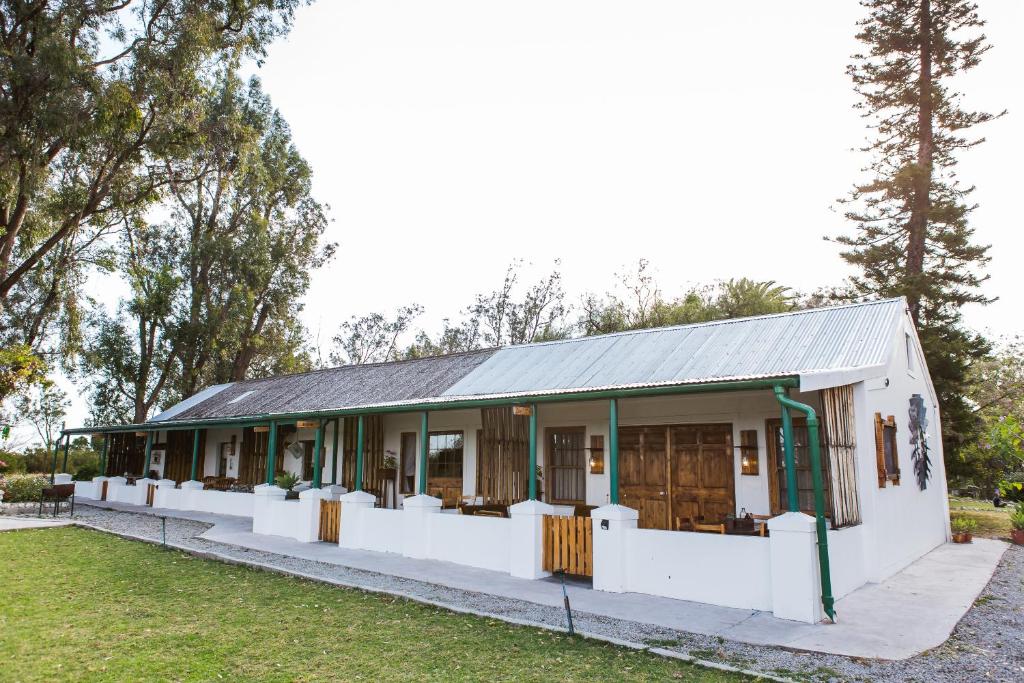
16 523
911 612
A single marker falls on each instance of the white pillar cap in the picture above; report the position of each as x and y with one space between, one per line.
531 508
615 512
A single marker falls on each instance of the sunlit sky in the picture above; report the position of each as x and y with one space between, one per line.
451 136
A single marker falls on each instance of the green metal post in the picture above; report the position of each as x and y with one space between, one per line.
334 452
149 453
318 443
613 451
106 453
67 445
533 452
792 497
56 450
195 455
271 452
827 601
359 454
424 452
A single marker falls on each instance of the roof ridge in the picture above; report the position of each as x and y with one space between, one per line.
708 323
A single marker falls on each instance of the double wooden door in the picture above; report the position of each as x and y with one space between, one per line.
670 473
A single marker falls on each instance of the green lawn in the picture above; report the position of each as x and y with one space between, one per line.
992 522
83 605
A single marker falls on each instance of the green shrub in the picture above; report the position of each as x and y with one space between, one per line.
86 473
23 488
286 481
964 525
1017 517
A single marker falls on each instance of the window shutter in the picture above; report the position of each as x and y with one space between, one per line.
895 474
880 450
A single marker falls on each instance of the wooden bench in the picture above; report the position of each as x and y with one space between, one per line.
58 493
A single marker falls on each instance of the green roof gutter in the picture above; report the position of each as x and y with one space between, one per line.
827 601
455 404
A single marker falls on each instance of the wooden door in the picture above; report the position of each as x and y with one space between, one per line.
643 474
675 472
702 480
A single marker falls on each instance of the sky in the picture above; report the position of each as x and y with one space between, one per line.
452 136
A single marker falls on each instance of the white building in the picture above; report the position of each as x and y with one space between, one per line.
654 461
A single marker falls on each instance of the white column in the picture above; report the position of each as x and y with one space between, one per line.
352 504
612 524
796 587
526 541
265 496
416 524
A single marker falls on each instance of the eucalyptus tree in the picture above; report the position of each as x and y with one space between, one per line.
216 286
94 92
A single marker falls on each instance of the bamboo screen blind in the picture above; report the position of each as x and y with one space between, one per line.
840 447
126 454
504 459
373 452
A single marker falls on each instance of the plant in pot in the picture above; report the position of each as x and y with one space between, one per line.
963 529
1017 524
389 469
287 481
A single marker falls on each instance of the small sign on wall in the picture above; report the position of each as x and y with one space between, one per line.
521 410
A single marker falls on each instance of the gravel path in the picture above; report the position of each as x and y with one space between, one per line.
987 645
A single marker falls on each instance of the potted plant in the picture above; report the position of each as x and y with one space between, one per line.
1017 524
389 470
287 481
963 529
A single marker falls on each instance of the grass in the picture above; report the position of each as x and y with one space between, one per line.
86 606
992 522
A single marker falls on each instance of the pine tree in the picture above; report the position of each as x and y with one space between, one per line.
913 235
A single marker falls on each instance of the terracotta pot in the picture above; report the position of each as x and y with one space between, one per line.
963 537
1018 536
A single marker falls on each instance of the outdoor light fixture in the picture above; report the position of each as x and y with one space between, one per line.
749 459
596 454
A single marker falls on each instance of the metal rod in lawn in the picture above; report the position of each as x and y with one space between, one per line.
565 599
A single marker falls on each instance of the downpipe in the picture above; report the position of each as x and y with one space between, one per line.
827 601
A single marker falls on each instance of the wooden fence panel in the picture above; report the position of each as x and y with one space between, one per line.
568 545
330 520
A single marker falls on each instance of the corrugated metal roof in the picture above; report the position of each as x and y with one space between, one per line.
787 344
349 385
840 340
195 399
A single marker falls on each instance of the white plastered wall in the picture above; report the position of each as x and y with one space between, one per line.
901 522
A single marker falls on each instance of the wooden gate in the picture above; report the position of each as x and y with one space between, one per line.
569 545
330 520
150 494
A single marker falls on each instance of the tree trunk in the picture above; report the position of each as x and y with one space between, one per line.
918 225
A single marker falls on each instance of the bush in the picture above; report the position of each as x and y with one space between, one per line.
23 488
1017 517
286 481
86 473
964 525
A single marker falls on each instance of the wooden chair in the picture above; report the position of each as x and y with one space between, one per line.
763 526
583 510
709 528
58 493
488 513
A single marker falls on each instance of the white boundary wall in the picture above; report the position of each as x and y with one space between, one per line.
192 497
421 530
733 571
